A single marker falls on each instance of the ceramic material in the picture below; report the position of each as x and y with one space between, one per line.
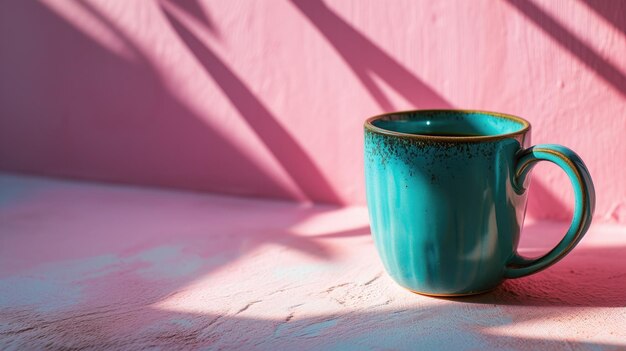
446 193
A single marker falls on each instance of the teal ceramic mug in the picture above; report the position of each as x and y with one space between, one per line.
446 194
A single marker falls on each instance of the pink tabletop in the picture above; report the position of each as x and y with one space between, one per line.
91 266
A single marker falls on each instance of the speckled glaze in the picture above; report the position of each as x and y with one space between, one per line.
446 210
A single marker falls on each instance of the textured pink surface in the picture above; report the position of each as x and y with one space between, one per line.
86 266
267 99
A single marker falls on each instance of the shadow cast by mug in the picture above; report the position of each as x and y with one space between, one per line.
191 275
589 276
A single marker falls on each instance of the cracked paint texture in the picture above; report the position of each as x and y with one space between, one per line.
212 272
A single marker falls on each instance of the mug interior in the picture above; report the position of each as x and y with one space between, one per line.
449 123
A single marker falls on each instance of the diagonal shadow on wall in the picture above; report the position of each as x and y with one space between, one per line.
195 9
612 11
366 59
287 150
131 119
172 125
121 122
108 118
543 203
566 39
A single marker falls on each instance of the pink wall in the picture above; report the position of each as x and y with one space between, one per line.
268 98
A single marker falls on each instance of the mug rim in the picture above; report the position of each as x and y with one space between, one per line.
371 127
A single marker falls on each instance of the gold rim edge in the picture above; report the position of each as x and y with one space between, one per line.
526 126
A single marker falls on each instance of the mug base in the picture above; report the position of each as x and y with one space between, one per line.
453 295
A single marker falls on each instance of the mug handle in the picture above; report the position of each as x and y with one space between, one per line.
584 197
